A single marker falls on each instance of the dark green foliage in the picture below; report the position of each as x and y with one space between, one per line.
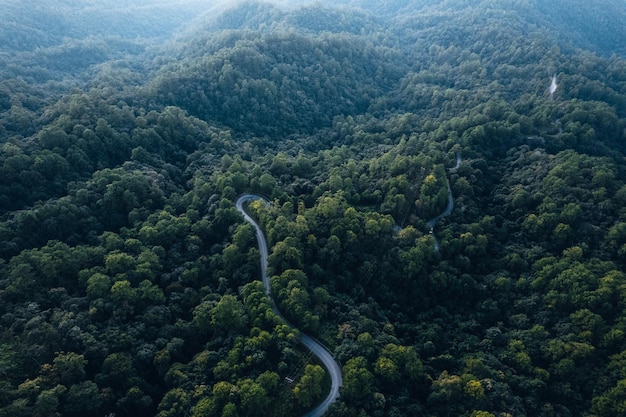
129 283
274 83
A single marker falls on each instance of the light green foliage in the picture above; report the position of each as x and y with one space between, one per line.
358 380
309 388
447 388
174 403
98 285
118 263
123 294
228 314
70 367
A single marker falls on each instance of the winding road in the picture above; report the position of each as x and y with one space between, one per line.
433 222
325 357
323 354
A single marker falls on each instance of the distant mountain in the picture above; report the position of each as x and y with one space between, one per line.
30 24
259 68
277 83
235 67
598 26
269 16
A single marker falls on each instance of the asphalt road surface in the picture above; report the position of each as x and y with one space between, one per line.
324 356
449 207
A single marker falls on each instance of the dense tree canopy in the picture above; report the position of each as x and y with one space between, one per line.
129 282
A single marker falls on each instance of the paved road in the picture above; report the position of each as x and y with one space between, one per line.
325 357
433 222
458 161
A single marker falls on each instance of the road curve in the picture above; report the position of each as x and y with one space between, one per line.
449 207
325 357
431 223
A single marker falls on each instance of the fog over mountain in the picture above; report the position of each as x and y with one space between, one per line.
440 187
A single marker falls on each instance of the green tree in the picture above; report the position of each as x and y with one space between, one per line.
123 294
117 369
611 403
83 398
70 367
175 402
98 285
228 314
447 389
309 388
253 397
358 381
118 263
48 401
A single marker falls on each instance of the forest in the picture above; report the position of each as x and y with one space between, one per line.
130 284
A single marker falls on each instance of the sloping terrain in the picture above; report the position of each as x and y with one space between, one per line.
129 282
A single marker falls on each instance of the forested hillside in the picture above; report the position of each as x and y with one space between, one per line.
130 284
